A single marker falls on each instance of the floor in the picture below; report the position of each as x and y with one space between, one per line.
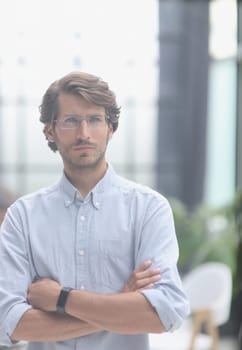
228 344
224 344
180 341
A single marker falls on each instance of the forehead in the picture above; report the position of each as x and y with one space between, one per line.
76 104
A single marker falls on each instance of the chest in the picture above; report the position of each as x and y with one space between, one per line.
83 247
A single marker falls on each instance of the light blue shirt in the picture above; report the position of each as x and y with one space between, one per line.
91 244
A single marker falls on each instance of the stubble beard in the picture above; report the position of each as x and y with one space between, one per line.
85 161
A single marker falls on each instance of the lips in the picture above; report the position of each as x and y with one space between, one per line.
82 148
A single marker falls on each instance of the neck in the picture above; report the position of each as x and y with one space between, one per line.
84 179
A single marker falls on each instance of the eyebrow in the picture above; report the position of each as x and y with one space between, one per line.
88 115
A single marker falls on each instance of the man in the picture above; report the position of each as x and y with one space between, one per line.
68 251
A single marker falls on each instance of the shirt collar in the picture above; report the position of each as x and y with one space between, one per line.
69 191
71 194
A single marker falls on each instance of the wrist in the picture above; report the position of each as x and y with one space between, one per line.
62 299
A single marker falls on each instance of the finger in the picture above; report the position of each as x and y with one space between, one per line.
141 283
147 273
144 266
140 278
147 281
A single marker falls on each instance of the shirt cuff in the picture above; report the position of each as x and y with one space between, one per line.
10 323
170 316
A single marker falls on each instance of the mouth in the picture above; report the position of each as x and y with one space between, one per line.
83 148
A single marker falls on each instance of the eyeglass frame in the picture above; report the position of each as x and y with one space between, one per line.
87 119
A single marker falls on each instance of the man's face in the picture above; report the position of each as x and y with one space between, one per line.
83 146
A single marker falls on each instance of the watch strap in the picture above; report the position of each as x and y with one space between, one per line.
62 299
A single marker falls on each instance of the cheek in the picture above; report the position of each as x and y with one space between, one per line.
65 139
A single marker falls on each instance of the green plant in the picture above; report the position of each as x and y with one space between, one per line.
236 214
205 234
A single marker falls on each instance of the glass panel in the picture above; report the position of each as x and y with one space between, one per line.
220 175
123 51
220 167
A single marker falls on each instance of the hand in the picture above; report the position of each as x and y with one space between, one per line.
43 294
142 278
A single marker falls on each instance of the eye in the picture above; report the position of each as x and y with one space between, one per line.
95 119
70 119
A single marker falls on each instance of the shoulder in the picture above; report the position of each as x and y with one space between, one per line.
41 195
139 192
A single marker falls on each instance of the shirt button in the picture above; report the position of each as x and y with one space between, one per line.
83 218
97 204
82 288
81 252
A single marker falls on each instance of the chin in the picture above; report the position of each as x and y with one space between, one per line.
85 164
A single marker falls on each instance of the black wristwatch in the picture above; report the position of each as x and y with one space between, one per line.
62 299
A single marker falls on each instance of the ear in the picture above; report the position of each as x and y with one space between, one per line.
110 135
110 131
49 133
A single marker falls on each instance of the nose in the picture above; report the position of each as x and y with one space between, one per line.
83 131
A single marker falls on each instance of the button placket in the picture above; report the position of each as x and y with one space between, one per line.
81 245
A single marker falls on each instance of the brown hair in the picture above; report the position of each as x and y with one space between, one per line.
90 87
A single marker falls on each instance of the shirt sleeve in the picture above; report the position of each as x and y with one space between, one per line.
14 275
158 243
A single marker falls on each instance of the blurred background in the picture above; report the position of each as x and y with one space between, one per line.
176 68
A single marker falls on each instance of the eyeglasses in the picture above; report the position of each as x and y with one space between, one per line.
71 122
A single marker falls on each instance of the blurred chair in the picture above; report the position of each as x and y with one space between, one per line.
209 290
240 338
